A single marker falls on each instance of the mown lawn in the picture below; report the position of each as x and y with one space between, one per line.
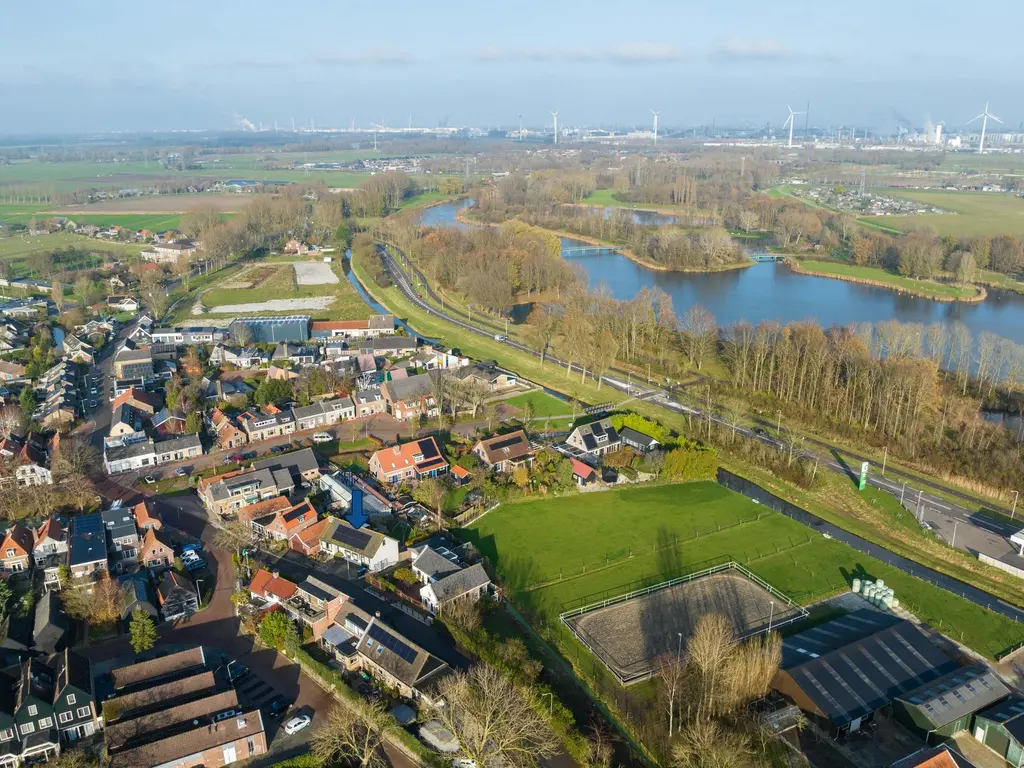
973 213
535 541
875 274
543 404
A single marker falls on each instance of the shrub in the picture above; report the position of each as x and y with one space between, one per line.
405 576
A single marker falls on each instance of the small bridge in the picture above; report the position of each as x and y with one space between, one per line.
765 256
592 249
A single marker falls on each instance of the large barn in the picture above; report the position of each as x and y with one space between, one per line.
843 671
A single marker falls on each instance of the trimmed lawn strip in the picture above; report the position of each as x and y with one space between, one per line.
921 287
543 404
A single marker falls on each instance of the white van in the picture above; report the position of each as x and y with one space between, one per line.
322 437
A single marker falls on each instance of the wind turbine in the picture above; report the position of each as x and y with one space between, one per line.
655 125
554 115
984 116
376 126
520 127
790 121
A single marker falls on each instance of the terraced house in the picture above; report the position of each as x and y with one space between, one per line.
324 413
270 422
408 462
412 397
226 494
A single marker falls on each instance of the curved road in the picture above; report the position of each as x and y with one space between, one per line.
659 397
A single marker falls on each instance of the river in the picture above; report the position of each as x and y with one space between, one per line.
772 291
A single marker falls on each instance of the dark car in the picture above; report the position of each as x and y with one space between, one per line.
249 455
279 448
279 705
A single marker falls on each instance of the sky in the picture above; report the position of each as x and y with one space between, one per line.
191 64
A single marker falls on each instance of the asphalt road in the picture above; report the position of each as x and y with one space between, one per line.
986 532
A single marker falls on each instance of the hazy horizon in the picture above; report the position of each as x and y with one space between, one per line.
131 67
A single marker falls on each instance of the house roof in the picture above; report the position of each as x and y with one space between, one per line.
598 434
459 583
135 397
402 658
404 456
50 529
158 668
363 541
460 473
167 414
50 622
434 564
631 435
310 537
18 538
266 507
957 693
580 469
511 447
127 730
857 663
206 736
942 756
163 693
319 589
73 670
179 443
120 521
340 325
88 540
297 516
144 516
172 582
153 540
296 462
264 582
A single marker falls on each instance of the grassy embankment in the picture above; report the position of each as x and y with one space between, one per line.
629 538
875 276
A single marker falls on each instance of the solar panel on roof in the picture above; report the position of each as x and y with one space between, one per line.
351 538
392 643
428 449
505 443
596 428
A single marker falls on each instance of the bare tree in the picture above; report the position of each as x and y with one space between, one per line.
708 649
699 329
233 535
353 734
671 668
494 720
10 420
707 744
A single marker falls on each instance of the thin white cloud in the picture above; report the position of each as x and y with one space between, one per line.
761 49
623 53
373 57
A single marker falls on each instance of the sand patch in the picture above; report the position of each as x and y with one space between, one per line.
314 273
274 305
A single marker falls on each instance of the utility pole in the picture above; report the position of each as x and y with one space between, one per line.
920 512
771 614
953 542
884 457
1012 511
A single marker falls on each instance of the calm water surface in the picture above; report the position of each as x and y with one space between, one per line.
770 291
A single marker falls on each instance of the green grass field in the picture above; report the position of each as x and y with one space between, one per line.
927 288
17 248
543 404
650 534
975 213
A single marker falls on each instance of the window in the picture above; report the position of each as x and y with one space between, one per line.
28 728
7 734
46 722
65 717
33 710
229 754
84 712
71 699
10 552
252 747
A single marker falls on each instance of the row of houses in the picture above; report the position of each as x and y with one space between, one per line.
275 476
137 451
174 711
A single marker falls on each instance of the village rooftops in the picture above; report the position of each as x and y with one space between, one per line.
197 739
957 693
120 522
130 732
399 656
152 696
266 583
512 447
259 479
422 454
363 541
298 462
156 669
434 565
88 540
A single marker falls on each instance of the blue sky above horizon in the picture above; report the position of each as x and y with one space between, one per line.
119 65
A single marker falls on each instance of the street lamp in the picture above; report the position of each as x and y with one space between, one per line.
1012 511
953 542
551 704
779 427
679 649
199 594
885 457
771 614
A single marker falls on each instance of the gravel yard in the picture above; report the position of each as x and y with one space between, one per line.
315 273
274 305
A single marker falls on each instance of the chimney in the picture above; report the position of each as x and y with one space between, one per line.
276 574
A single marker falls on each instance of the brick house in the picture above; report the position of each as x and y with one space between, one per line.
16 550
154 552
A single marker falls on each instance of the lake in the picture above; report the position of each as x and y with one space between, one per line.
772 291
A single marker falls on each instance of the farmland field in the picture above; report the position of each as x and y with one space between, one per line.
17 248
974 213
557 554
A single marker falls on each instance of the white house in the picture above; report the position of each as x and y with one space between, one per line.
463 584
128 454
361 546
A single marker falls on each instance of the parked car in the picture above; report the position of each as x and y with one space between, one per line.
279 448
236 671
192 548
249 455
322 437
279 705
150 479
180 472
237 458
296 724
